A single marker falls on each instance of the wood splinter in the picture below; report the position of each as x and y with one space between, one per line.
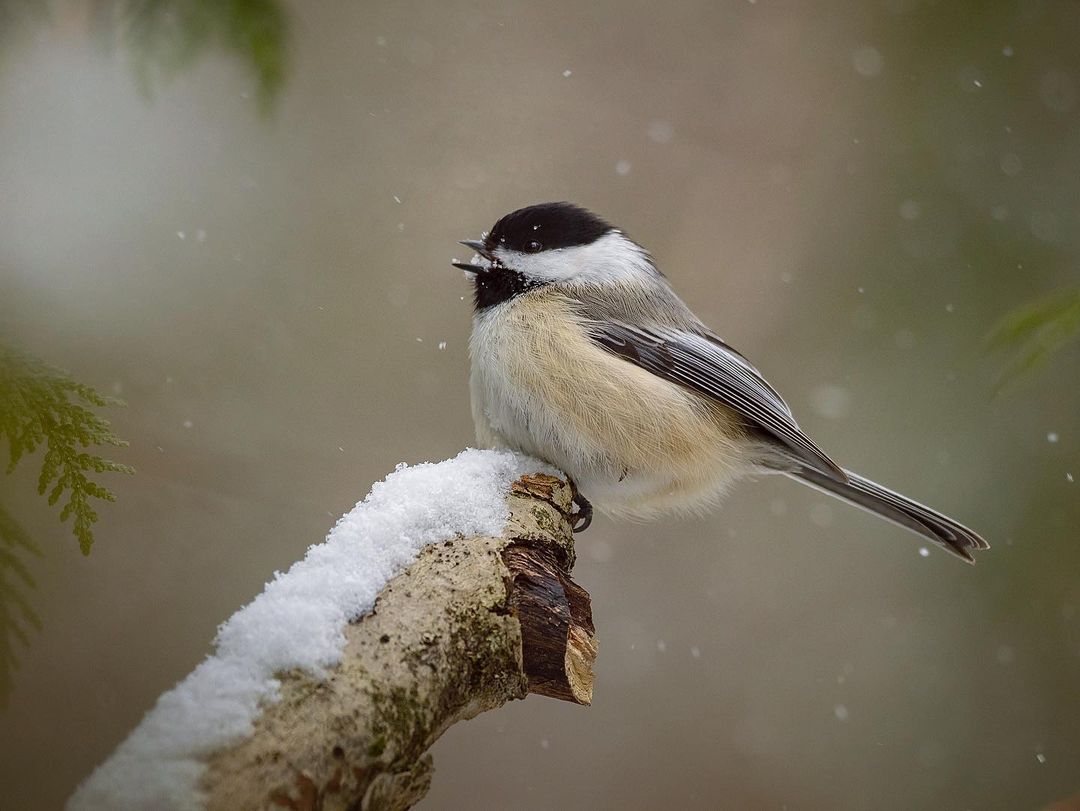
558 636
557 633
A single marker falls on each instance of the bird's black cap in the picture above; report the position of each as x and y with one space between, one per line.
546 226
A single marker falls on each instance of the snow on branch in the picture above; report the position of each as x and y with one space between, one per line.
446 592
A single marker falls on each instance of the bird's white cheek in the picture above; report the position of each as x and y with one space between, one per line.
612 258
551 266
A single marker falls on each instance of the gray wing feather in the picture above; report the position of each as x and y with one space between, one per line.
705 364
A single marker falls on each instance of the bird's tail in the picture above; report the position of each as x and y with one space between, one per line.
942 530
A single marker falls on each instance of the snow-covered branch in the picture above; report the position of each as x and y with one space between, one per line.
446 592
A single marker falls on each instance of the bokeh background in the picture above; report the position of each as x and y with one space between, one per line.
243 227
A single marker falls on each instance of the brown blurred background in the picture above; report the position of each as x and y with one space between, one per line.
852 193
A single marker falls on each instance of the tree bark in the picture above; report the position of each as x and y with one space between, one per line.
470 625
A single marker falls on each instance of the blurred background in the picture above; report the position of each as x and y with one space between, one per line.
239 216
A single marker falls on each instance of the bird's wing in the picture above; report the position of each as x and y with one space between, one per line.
705 364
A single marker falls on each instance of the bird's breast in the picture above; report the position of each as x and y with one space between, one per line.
541 385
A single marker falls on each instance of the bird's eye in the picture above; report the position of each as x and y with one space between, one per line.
533 247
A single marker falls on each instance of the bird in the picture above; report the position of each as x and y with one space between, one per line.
582 355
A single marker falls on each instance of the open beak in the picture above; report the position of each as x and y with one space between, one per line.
479 247
469 268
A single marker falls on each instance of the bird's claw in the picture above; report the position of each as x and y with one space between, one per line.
581 520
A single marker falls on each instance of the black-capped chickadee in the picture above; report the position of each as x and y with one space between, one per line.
583 355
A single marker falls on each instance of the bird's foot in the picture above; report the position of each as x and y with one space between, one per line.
581 519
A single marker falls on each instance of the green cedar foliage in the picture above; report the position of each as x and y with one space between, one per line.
43 406
40 404
166 36
16 615
1035 331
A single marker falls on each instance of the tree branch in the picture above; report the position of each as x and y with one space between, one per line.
470 624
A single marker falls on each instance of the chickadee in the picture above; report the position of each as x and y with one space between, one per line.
583 355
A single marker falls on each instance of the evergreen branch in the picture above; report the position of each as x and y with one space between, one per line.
1037 330
16 615
40 404
166 36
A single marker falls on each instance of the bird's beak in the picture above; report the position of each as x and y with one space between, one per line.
469 268
481 249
